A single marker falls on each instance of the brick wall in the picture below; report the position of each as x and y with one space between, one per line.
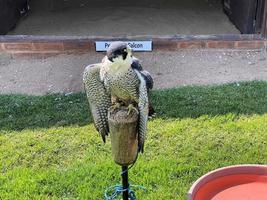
43 46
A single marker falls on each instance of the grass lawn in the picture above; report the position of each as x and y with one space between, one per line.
49 148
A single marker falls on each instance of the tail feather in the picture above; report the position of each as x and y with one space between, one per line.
151 110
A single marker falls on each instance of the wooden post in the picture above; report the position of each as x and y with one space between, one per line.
123 134
124 141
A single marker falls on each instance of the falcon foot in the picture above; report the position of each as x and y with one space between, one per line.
114 107
131 108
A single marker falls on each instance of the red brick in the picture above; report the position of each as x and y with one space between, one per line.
34 54
164 45
78 46
18 46
2 48
24 55
259 44
221 44
191 44
77 52
48 46
50 54
249 44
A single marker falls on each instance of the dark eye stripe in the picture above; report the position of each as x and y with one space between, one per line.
124 55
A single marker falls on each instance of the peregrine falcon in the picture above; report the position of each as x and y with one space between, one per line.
119 79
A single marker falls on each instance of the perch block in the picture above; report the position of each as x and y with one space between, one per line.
123 134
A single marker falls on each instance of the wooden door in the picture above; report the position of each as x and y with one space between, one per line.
245 14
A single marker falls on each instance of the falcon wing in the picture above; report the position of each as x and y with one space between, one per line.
99 99
148 78
136 64
143 110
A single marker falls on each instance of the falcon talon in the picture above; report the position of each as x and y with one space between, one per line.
132 108
114 107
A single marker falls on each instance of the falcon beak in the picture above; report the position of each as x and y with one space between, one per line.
129 51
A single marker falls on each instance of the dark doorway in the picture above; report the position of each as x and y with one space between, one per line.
246 15
115 17
120 18
10 13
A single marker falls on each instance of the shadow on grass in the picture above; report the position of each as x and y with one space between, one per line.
18 112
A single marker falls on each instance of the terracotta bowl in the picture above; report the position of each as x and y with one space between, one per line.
240 182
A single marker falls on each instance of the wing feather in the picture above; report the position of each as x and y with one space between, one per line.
143 111
136 64
99 99
148 78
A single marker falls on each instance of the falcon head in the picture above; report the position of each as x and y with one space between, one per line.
120 53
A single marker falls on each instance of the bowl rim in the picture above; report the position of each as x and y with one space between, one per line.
225 171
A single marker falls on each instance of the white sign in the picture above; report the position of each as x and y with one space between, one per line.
135 45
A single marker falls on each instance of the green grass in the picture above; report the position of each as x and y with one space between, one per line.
19 111
50 150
